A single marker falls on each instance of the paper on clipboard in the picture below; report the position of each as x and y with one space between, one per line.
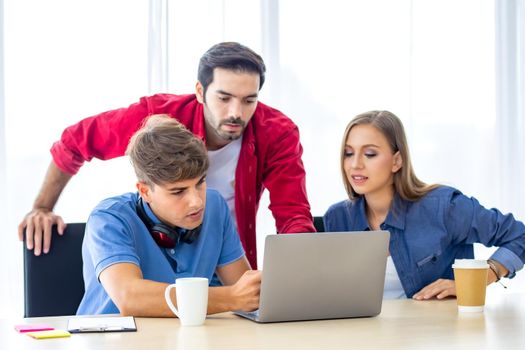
101 324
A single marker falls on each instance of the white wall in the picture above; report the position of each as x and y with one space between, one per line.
327 61
4 292
64 60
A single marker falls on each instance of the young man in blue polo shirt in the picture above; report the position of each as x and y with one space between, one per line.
138 243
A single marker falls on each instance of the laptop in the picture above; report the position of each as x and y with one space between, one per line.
315 276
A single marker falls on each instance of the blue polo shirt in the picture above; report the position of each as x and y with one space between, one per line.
428 234
115 234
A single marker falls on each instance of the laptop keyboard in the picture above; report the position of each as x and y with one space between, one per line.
254 315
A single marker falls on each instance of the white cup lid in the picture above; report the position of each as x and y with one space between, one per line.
470 264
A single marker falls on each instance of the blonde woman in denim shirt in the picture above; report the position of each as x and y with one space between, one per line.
429 225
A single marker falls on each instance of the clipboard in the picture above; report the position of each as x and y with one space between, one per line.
101 324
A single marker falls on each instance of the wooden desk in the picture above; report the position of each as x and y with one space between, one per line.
402 324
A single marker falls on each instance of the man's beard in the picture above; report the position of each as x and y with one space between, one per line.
228 135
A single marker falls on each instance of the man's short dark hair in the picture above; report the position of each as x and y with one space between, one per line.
231 56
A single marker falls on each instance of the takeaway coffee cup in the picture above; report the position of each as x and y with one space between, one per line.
471 284
192 300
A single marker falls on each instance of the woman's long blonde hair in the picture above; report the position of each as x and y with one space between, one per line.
406 183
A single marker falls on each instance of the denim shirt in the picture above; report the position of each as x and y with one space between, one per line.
428 234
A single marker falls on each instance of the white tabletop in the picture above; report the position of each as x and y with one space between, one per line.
402 324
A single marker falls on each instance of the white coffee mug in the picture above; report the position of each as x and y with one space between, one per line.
192 300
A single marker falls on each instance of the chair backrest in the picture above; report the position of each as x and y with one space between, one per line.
318 223
53 282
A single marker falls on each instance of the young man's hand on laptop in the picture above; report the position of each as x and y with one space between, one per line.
246 291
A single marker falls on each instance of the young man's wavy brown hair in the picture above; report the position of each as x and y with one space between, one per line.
163 151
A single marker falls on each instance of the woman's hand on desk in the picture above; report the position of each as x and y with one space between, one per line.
246 291
439 289
443 288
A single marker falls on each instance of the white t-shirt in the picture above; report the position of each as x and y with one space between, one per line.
221 173
393 288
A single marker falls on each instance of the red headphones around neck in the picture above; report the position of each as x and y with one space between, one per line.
166 236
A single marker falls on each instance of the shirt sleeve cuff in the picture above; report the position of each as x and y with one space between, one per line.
508 259
117 259
64 159
231 258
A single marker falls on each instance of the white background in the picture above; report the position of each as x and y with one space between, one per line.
437 64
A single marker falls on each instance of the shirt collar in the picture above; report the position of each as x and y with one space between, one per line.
396 216
398 211
359 217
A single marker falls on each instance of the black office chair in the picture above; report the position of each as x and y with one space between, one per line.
318 223
53 282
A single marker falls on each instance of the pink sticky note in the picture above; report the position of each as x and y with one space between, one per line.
23 328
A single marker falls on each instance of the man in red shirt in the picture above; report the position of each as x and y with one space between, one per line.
251 147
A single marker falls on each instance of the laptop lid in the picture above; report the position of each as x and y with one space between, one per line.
312 276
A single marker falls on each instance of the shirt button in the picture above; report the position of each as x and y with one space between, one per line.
172 251
250 252
250 226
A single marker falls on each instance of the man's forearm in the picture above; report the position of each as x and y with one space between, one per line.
145 298
54 183
220 299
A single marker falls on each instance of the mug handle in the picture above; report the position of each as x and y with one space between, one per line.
168 299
